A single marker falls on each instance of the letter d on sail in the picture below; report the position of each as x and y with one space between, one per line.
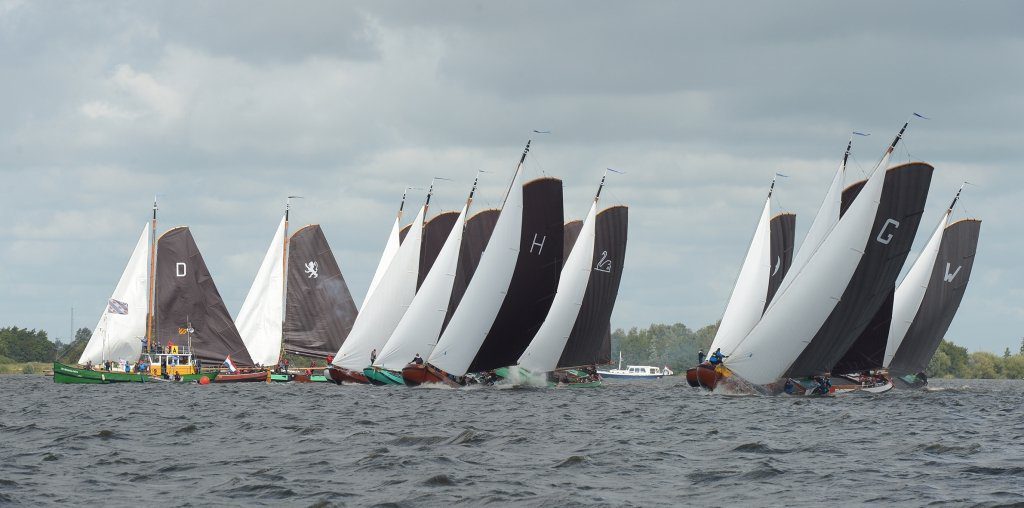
885 241
180 269
948 277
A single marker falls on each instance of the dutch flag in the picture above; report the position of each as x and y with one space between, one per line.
230 365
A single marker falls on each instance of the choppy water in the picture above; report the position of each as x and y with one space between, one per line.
628 443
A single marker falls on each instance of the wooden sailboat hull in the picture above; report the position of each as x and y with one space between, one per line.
339 376
66 374
707 376
382 377
417 374
249 377
691 377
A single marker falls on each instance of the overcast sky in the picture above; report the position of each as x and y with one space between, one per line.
225 108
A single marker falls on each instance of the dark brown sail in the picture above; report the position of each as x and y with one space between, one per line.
868 351
435 232
941 300
474 240
185 293
590 340
319 310
782 230
534 280
904 193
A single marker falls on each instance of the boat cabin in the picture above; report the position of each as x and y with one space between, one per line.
172 359
643 370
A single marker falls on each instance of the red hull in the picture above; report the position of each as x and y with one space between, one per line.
691 377
340 375
707 377
250 377
415 375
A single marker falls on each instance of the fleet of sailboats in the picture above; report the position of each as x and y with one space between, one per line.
516 295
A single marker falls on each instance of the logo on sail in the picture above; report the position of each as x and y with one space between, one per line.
605 264
180 269
539 245
948 277
778 264
312 270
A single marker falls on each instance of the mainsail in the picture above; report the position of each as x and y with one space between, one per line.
319 310
259 321
546 348
435 234
387 304
122 326
809 293
532 289
186 295
949 270
590 340
474 241
783 230
898 214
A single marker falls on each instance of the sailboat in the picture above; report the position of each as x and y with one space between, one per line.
420 327
498 309
760 276
927 299
298 303
384 308
806 298
542 356
589 342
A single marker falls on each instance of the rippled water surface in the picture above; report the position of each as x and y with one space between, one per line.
627 443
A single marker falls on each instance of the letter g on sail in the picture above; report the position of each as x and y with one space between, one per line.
885 227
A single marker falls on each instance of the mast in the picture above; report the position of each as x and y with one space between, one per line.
152 280
284 272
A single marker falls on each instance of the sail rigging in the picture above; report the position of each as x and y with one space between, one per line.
390 249
260 320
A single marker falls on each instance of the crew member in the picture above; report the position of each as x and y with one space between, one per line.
418 360
717 357
700 357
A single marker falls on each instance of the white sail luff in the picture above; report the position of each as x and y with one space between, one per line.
824 221
799 309
260 319
910 292
546 347
120 336
388 303
746 304
418 331
486 291
390 249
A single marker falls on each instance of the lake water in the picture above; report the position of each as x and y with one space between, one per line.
647 443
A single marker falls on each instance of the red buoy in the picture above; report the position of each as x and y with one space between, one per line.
204 380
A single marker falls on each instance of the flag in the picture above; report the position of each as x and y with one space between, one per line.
919 115
230 365
182 331
117 307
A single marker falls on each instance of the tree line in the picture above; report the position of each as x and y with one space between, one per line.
22 345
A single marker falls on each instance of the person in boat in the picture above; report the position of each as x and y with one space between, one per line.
790 387
177 376
717 357
700 357
373 356
330 359
418 360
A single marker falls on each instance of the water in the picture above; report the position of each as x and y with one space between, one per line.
629 443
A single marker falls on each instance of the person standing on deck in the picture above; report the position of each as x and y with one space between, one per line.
373 356
700 357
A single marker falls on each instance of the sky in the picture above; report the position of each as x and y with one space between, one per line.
225 108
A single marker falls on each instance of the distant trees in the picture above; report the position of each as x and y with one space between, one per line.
24 345
954 361
674 345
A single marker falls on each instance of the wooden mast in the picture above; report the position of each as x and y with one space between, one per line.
284 272
150 317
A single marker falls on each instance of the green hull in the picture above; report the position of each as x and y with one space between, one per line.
505 372
280 378
319 379
65 374
383 376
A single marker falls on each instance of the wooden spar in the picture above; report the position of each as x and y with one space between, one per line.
284 271
152 280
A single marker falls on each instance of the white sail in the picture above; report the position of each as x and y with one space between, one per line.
384 309
801 307
824 221
546 347
486 291
746 304
122 326
261 319
390 249
910 292
420 327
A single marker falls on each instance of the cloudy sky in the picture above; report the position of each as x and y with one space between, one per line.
225 108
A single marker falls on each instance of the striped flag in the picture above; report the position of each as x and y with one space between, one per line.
117 307
230 365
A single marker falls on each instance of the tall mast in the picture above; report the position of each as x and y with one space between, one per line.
284 272
151 315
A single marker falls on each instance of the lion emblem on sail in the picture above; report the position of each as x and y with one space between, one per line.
312 270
